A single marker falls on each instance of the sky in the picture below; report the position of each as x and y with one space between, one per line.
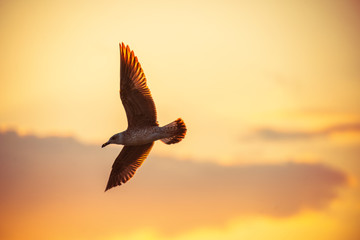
269 92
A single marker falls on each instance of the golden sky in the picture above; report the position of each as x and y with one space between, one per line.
269 91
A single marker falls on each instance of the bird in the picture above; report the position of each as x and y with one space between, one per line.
143 128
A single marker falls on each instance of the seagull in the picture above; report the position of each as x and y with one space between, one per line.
143 129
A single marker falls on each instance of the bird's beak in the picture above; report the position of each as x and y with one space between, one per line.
105 144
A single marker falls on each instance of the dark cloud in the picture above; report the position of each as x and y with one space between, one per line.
62 180
275 134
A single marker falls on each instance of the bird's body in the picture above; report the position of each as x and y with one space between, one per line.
144 135
143 129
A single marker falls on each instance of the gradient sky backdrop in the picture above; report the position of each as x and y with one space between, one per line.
258 83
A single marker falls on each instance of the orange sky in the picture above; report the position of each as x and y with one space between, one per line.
260 84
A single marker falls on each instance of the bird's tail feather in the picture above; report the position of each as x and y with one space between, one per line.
179 130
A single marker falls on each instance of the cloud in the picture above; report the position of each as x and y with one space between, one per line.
275 134
62 180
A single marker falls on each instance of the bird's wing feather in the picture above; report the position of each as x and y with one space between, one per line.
134 92
128 161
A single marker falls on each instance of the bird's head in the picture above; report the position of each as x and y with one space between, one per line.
115 139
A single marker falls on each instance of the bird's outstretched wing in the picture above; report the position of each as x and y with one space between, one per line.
134 93
126 164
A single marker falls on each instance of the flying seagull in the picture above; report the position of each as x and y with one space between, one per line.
143 129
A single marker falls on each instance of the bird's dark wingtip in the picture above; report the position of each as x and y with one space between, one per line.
110 185
107 187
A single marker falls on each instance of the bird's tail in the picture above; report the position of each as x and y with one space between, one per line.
178 130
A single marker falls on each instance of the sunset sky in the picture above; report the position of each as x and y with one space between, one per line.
269 91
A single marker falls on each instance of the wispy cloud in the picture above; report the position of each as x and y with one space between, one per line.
63 180
276 134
